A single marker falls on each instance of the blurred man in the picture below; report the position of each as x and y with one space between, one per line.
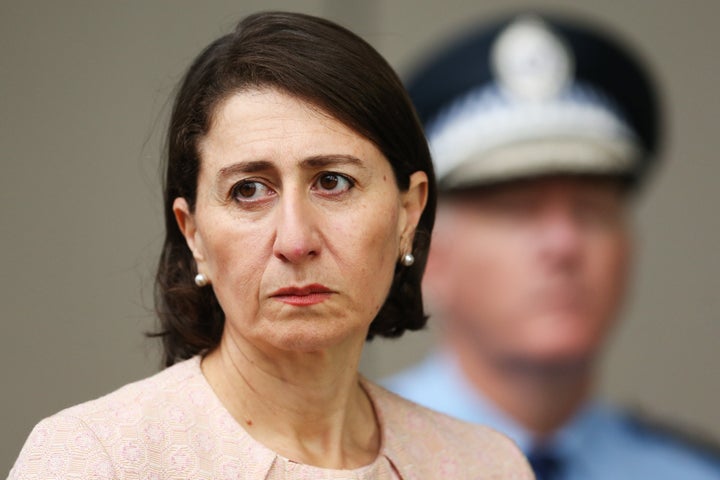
542 131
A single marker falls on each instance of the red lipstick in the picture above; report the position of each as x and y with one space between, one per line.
303 296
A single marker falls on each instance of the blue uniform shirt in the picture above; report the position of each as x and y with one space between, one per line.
600 443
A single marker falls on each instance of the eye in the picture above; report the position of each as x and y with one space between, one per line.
250 191
599 212
333 183
514 205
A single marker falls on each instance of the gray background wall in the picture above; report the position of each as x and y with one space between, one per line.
84 88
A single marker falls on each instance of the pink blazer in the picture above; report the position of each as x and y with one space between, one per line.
172 425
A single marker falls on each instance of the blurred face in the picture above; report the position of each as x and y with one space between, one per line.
298 223
534 270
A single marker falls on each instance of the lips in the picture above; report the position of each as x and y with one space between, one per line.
303 296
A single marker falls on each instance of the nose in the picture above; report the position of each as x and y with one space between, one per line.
297 237
560 239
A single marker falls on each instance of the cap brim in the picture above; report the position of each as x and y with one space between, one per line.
543 157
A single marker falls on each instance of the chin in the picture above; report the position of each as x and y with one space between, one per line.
571 356
570 347
558 364
563 337
568 358
310 338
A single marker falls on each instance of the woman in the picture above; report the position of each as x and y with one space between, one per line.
299 202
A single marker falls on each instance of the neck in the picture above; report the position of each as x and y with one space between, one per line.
308 407
539 397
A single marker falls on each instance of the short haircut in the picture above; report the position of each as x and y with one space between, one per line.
328 67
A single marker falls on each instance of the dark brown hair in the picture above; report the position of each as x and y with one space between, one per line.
329 67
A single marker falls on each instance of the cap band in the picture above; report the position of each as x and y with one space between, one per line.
578 131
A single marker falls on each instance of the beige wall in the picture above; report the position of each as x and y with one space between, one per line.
84 87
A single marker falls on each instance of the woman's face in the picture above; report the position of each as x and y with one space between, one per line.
298 222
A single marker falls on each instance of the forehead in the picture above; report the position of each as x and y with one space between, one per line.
270 124
248 112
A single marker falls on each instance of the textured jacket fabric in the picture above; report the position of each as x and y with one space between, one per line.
172 426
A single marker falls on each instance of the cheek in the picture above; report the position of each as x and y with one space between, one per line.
610 271
366 246
491 260
234 272
485 275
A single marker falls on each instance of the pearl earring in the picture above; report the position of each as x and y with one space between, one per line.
201 280
408 259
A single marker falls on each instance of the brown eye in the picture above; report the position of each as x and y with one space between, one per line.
333 183
250 191
329 181
246 190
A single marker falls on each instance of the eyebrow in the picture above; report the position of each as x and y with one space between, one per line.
252 166
314 162
321 161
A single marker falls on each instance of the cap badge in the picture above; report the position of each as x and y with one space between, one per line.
530 61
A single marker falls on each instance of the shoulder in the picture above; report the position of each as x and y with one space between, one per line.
91 438
61 445
687 450
627 445
166 397
442 446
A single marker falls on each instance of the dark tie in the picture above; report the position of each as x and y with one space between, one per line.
545 463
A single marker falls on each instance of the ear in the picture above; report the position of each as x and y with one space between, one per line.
413 202
186 222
